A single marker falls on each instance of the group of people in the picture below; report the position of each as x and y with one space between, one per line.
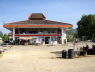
88 49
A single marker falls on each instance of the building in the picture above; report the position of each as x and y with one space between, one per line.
38 30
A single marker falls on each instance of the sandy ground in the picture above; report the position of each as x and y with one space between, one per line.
44 59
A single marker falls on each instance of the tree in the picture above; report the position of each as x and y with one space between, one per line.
5 37
1 34
86 26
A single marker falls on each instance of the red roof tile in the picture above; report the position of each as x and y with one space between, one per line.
37 20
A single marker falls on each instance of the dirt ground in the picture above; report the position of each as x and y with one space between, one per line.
44 59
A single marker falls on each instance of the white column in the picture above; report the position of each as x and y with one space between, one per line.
13 34
62 40
63 37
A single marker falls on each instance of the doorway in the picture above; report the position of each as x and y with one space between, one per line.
47 40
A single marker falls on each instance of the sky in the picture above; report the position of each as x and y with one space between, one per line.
68 11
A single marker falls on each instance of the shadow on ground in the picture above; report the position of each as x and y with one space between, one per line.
57 53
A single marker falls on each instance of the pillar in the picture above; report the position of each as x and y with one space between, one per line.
62 40
13 34
50 40
63 37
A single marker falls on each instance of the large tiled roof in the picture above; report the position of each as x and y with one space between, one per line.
34 22
37 20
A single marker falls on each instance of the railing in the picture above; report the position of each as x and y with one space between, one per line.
53 34
37 33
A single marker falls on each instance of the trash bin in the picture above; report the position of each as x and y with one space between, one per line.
71 53
64 54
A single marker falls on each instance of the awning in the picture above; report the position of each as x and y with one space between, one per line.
25 38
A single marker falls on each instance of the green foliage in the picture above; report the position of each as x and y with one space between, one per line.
1 34
4 36
86 26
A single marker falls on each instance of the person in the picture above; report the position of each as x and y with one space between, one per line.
64 41
87 47
93 47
